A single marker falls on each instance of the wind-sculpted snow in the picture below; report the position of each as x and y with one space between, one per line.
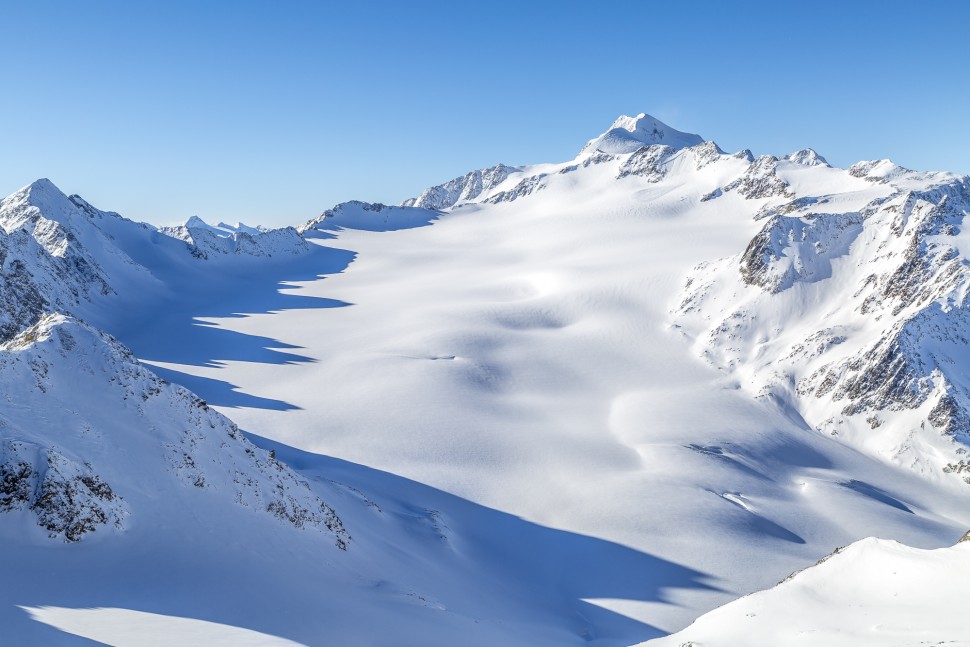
114 430
862 315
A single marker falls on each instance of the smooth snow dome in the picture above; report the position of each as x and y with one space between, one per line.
551 404
627 134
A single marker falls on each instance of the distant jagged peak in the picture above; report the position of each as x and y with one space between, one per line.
627 134
209 241
807 157
195 221
223 228
744 154
241 227
469 187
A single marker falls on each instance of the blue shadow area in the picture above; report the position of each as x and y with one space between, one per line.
174 331
221 392
525 560
424 567
875 494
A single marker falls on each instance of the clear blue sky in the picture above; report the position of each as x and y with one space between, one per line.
272 112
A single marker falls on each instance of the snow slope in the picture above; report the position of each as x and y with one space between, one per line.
872 593
129 507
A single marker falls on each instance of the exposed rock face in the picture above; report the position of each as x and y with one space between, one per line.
648 162
761 180
525 187
462 189
705 153
789 249
67 497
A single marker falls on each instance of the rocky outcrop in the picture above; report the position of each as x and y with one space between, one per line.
648 162
122 431
466 188
525 187
862 316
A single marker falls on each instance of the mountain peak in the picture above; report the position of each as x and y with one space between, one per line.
39 198
627 134
43 185
42 192
195 221
807 157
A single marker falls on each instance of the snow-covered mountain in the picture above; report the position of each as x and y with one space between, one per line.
851 304
630 134
211 241
606 395
470 186
109 439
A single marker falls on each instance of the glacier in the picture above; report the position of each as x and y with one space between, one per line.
585 402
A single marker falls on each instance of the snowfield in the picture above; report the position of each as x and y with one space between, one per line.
872 593
575 403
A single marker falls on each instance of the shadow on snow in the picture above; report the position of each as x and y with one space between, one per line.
174 330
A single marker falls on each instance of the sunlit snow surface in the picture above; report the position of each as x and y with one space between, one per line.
127 627
871 594
494 400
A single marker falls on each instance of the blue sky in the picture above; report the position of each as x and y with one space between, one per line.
272 112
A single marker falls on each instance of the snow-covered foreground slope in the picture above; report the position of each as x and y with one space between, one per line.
872 593
131 511
532 430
